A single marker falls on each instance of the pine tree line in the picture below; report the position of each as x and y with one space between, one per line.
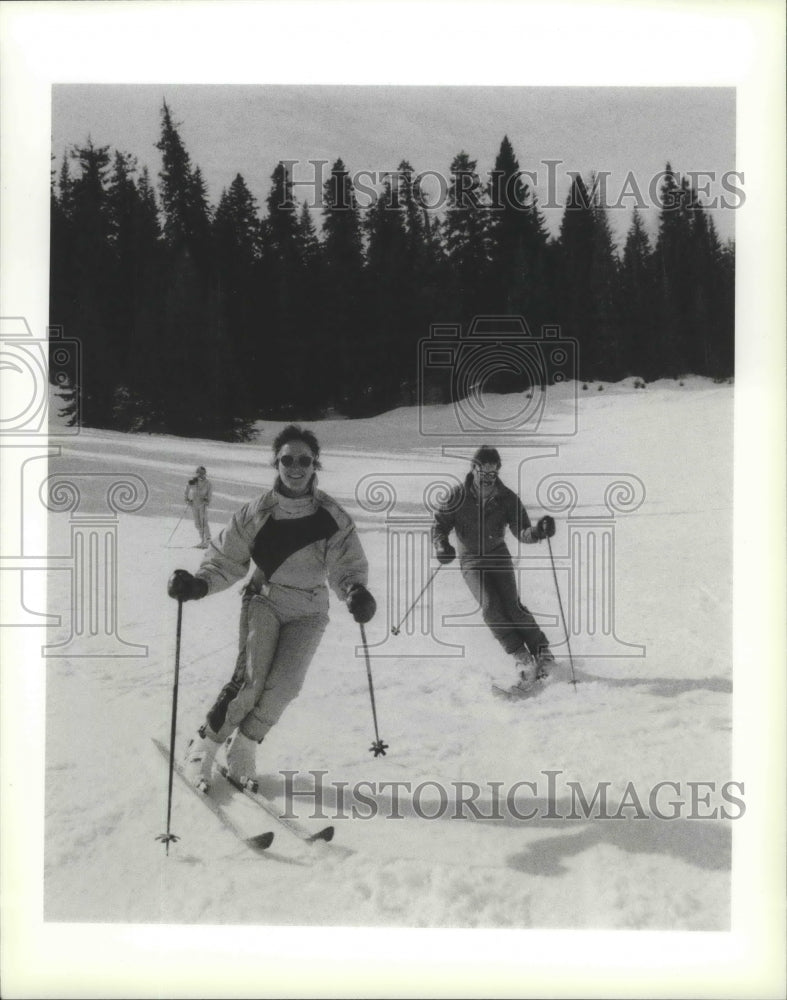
197 321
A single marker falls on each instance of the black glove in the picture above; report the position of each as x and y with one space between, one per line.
545 527
361 604
444 551
185 587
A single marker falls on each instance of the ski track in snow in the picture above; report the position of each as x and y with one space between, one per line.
642 719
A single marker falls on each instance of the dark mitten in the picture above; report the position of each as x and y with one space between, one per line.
445 552
361 604
185 587
545 527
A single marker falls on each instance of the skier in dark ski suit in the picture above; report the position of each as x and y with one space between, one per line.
300 541
479 512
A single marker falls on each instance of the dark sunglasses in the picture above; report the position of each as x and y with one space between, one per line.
303 460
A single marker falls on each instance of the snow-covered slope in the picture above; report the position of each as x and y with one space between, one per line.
655 709
641 719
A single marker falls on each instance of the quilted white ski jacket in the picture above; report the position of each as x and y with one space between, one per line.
296 543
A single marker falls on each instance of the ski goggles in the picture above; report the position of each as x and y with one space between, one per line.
304 461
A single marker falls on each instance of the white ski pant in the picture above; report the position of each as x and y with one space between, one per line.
280 632
200 513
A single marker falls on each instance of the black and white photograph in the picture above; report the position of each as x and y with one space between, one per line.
393 497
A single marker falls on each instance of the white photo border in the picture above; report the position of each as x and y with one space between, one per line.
739 44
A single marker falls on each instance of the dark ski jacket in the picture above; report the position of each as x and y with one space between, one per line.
481 526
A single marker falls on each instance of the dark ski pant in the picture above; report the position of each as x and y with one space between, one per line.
510 621
279 635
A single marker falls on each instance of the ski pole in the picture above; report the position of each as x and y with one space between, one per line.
395 629
562 615
378 748
165 838
176 526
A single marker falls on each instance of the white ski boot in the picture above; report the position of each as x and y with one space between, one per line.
545 661
198 762
242 760
526 668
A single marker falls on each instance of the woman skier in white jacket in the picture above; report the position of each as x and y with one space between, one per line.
301 542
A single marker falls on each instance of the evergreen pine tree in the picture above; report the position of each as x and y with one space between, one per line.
308 241
282 295
517 240
344 352
673 270
637 303
389 294
236 250
587 279
62 277
147 378
724 332
133 238
604 277
519 278
90 297
575 255
313 395
466 236
181 187
421 293
192 328
711 344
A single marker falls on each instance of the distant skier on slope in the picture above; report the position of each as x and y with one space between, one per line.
479 512
300 540
199 491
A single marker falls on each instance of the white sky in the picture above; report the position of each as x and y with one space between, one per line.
248 129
